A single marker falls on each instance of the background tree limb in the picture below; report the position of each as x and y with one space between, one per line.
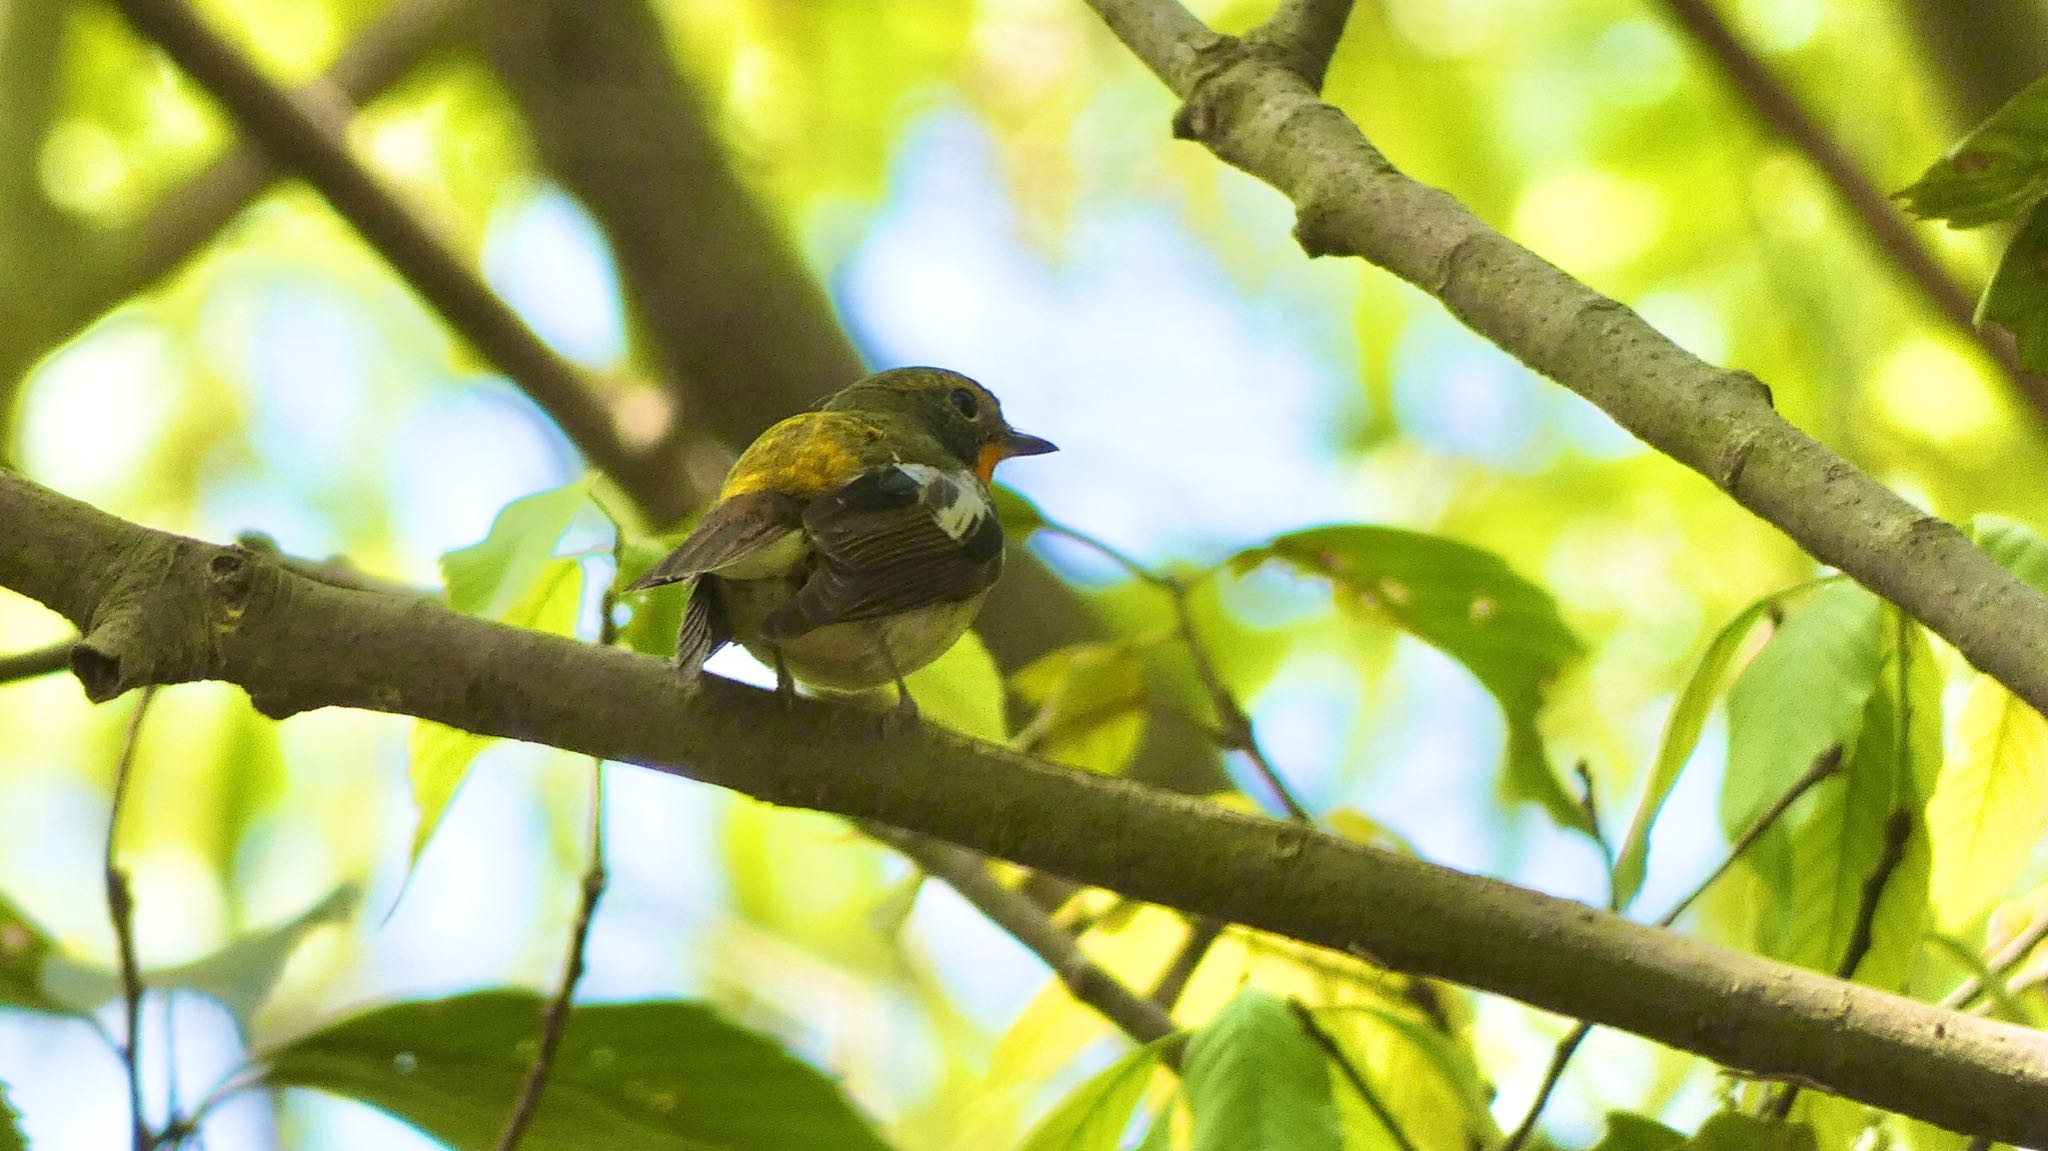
1258 115
158 608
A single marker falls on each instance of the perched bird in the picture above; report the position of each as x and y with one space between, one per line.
852 545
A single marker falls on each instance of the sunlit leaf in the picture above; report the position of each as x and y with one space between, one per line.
653 1074
1996 172
2016 546
1804 693
1470 604
492 575
1432 1055
1255 1081
1866 828
1018 515
10 1125
1090 701
1681 738
1990 808
441 755
1626 1132
1094 1116
963 690
1734 1131
239 975
2017 297
25 953
1159 1136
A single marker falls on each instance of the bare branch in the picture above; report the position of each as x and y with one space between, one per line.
963 871
121 911
555 1020
1305 33
35 662
296 133
1350 200
174 609
1881 221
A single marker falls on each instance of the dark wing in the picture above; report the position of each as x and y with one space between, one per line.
895 538
732 530
704 631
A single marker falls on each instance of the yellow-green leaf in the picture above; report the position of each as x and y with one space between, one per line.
1090 703
1990 808
1094 1115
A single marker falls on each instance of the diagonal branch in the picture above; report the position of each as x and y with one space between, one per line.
299 135
1350 200
158 608
1880 219
1305 33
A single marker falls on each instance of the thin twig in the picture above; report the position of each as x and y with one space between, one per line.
1234 726
1203 932
2002 964
1881 221
555 1020
35 662
1824 765
967 873
1559 1060
297 133
1328 1043
121 910
1305 33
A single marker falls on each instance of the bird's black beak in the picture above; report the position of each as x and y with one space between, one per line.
1019 444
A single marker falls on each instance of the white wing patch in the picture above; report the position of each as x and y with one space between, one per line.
955 498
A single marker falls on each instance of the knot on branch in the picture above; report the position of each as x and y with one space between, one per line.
166 608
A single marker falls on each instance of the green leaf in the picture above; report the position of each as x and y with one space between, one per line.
654 1074
963 690
1018 515
1090 701
1990 807
2017 547
1439 1053
1626 1132
1159 1136
1734 1131
25 953
1681 737
239 975
1094 1116
1804 693
2017 297
1868 827
657 615
441 755
490 576
10 1125
1466 602
1996 172
1255 1081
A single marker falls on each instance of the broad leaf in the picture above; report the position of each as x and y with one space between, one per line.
1681 738
10 1125
1094 1116
1996 172
1734 1131
1626 1132
490 576
441 755
1867 829
1804 693
2017 297
1090 701
25 953
1018 515
239 975
1470 604
1255 1081
2017 547
656 1074
963 690
1435 1054
1990 808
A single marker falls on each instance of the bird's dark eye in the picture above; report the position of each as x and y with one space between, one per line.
965 401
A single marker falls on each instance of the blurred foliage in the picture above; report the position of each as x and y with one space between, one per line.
1557 595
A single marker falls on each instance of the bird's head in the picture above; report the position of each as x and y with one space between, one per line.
961 415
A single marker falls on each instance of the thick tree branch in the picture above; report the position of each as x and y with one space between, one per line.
1259 116
157 608
1880 219
295 132
1304 33
35 662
